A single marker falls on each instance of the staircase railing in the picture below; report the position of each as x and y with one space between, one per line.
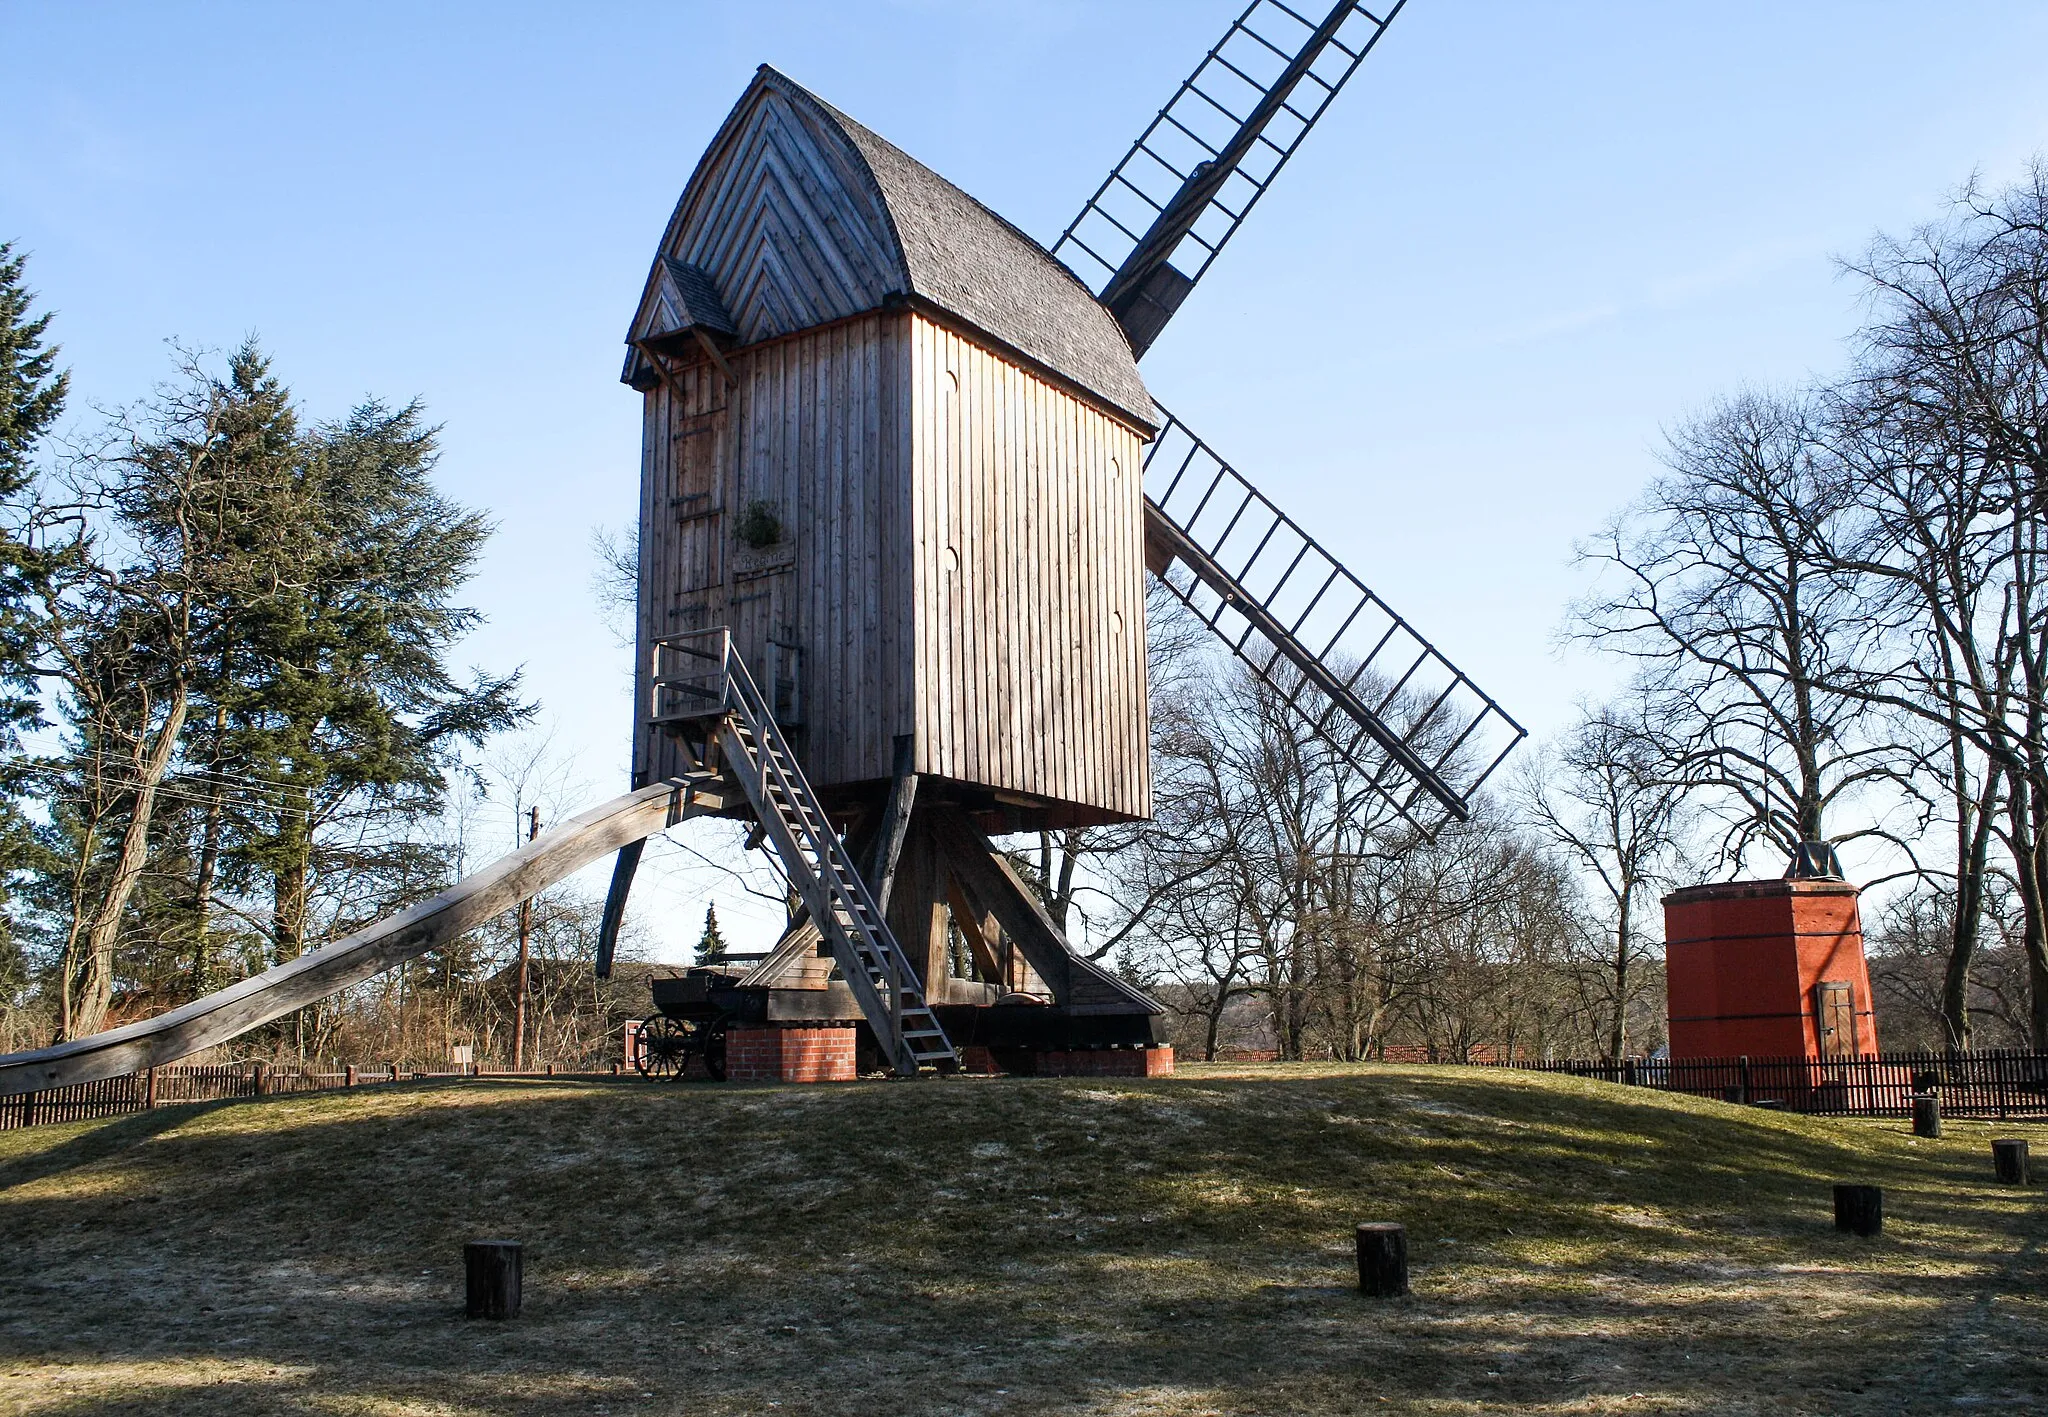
875 968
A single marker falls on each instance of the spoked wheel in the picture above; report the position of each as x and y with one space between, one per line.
664 1048
712 1035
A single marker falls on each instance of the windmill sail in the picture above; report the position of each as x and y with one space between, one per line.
1366 680
1166 210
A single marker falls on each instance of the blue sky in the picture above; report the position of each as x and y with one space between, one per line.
1524 239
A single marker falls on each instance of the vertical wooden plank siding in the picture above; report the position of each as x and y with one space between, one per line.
808 430
962 558
1030 674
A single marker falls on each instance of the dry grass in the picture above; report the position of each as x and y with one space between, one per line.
1177 1246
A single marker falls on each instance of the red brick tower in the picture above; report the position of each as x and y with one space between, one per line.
1768 969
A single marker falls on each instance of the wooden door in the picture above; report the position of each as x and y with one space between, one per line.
697 510
757 605
1836 1006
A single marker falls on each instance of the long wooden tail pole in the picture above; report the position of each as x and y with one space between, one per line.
255 1001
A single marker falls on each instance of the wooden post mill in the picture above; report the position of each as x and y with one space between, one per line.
901 489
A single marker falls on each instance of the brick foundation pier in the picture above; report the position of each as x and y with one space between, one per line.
1154 1062
794 1053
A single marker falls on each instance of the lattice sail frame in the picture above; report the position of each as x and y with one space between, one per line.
1207 112
1438 735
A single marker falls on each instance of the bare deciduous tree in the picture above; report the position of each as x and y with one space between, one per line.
1602 797
1745 632
1945 429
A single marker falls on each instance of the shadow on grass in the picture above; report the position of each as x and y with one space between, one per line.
1020 1246
97 1142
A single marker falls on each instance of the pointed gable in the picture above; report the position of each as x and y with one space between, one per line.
787 218
679 300
797 216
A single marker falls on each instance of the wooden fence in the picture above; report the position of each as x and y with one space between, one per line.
138 1092
1993 1086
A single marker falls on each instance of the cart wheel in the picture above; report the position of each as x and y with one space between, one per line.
712 1035
664 1048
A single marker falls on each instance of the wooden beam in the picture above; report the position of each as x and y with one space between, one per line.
793 954
731 379
623 871
895 823
667 374
474 900
1080 985
978 944
917 907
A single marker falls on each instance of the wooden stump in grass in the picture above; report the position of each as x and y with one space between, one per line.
1859 1210
1382 1259
493 1269
1926 1114
2009 1161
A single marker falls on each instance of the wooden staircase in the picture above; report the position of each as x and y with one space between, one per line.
757 757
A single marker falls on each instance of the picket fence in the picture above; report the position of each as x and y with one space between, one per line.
1991 1085
138 1092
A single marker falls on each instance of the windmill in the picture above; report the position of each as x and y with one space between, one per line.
901 487
899 460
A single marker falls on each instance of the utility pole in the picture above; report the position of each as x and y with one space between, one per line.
519 992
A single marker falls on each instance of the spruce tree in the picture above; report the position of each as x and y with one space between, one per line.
711 946
32 388
32 392
347 703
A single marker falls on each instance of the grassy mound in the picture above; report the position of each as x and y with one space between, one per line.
1173 1246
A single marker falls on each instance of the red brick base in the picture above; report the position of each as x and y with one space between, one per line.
1073 1062
802 1053
1107 1063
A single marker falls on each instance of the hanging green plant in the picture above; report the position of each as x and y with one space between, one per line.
758 525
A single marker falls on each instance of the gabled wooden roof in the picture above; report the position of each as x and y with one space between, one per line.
797 216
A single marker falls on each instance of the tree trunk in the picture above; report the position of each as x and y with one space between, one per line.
91 984
1973 833
2034 891
202 898
2023 813
290 878
1617 1032
1215 1026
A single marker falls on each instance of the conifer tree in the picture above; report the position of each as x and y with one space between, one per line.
32 392
711 946
348 704
146 575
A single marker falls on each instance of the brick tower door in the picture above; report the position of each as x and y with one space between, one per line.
1836 1001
